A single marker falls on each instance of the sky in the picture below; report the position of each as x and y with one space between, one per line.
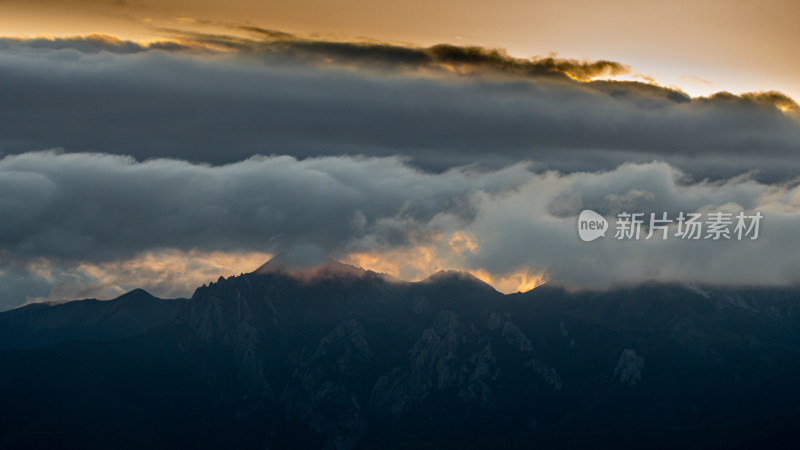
164 144
700 46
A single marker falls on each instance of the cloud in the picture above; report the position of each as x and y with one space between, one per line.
775 99
101 207
539 230
695 80
400 159
365 54
441 107
93 43
95 218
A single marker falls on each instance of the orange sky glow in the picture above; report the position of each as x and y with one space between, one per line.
699 47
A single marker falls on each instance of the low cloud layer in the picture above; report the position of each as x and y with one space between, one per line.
93 212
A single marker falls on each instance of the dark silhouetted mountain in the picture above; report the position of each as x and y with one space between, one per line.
323 355
41 324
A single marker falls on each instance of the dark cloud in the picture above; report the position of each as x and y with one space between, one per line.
98 207
373 55
93 43
222 108
775 99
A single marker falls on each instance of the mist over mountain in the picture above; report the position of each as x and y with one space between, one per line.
332 356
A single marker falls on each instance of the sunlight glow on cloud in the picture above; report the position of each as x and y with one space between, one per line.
419 262
165 273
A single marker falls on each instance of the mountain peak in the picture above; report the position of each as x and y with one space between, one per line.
456 276
137 294
307 261
299 257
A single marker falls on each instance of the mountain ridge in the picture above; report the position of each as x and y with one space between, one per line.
358 360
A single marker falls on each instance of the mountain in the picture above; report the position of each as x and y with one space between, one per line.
41 324
318 354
